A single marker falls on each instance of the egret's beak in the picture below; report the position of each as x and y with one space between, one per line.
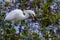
33 17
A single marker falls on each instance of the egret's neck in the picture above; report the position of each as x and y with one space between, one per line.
26 14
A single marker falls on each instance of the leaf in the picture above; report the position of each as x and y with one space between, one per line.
24 34
42 29
35 35
56 38
13 30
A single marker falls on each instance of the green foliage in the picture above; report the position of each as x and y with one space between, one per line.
56 38
25 33
7 3
13 30
46 18
35 36
42 29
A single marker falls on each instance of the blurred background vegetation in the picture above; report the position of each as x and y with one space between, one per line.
45 27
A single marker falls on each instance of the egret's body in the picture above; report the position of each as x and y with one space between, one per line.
17 15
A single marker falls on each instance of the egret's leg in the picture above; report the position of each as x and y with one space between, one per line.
19 26
19 23
12 24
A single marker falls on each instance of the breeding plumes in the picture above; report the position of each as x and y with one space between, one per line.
18 15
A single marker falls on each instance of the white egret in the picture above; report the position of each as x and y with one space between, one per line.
18 15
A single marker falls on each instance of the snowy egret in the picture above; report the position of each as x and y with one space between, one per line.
18 15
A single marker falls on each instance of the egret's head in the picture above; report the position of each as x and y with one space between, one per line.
30 13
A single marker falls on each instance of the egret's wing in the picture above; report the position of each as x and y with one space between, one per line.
15 15
10 16
19 14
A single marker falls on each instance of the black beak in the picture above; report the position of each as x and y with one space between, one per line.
33 18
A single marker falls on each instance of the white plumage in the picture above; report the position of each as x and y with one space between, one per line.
17 15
